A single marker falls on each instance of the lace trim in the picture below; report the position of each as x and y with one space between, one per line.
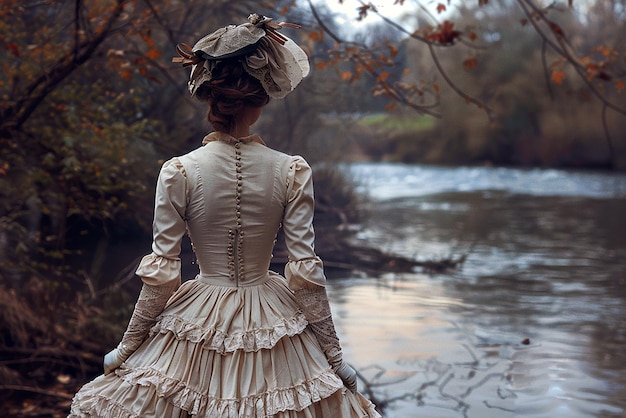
222 342
150 304
268 403
314 304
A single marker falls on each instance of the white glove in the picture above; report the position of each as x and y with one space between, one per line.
346 373
113 359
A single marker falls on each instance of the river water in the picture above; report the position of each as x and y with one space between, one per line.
532 325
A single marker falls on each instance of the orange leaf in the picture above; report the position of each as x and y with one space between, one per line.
321 65
620 85
346 75
390 106
314 36
470 64
382 77
558 77
472 36
393 50
153 54
126 74
441 8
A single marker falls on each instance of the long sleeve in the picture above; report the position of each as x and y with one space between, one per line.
305 272
163 265
160 270
304 268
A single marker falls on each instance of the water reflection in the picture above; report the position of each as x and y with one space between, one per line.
547 264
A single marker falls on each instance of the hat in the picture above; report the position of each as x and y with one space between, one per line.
270 57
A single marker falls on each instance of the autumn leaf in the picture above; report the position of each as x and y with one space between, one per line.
393 50
445 34
126 74
382 77
441 8
472 35
321 66
470 64
390 106
346 75
556 29
558 77
363 11
153 54
620 85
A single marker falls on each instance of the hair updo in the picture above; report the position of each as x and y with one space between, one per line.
229 90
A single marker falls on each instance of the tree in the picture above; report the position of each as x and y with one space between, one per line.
85 101
466 32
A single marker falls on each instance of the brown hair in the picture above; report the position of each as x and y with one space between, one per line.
229 90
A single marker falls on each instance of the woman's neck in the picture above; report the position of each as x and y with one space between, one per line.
240 131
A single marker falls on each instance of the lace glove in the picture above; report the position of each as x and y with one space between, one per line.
150 304
316 309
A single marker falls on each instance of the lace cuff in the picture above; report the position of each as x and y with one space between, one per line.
314 304
150 304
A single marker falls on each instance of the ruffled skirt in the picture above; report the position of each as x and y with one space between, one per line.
225 352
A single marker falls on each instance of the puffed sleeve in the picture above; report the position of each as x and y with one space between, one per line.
304 268
162 266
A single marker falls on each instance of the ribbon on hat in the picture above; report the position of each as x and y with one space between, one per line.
187 57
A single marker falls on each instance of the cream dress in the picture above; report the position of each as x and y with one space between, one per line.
232 342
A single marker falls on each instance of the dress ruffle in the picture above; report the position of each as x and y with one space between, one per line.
220 351
309 270
220 341
314 399
226 319
157 270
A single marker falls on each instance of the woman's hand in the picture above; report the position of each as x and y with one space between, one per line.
347 375
112 360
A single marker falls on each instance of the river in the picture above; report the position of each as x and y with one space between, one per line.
532 325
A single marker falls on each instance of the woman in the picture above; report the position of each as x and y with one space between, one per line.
238 340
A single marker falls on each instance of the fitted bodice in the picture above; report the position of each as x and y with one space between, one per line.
231 196
236 198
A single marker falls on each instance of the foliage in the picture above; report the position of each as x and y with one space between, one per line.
85 124
457 49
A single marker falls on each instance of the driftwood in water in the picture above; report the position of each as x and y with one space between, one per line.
342 254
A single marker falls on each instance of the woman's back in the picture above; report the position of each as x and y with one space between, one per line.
237 193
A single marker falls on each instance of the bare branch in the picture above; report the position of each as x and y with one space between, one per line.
457 90
48 81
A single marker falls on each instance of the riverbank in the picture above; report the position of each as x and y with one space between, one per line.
415 139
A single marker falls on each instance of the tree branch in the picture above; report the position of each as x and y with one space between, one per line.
47 82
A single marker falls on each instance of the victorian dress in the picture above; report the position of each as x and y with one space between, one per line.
233 341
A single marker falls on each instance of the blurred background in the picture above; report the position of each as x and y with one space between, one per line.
469 174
